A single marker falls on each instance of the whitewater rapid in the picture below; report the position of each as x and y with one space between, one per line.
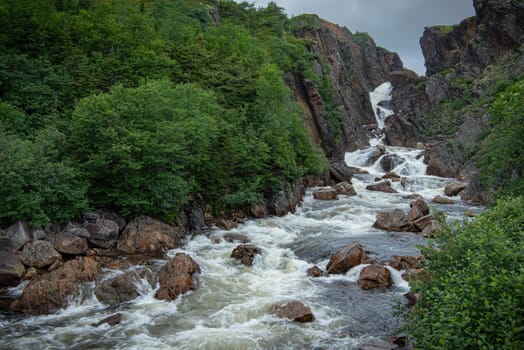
231 308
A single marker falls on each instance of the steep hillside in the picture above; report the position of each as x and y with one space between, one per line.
468 66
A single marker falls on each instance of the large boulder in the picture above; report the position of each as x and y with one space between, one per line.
390 162
419 208
346 258
325 194
103 232
149 236
42 297
293 310
345 188
39 254
246 253
373 276
122 288
177 277
11 268
68 243
383 186
19 234
454 188
393 221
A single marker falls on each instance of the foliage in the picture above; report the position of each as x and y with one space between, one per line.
474 295
502 155
156 104
36 185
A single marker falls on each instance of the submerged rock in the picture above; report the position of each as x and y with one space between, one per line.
346 258
177 277
293 310
372 277
246 253
442 200
383 186
315 271
122 288
111 320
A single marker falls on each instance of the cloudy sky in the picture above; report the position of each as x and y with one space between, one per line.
394 24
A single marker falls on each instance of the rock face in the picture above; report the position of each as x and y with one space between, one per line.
11 268
122 288
325 194
293 310
346 258
177 277
373 277
148 236
39 254
353 65
246 253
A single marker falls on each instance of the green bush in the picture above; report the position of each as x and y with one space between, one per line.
474 295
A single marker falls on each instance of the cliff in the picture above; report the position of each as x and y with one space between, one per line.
335 98
448 109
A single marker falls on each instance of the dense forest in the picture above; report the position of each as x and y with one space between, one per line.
145 105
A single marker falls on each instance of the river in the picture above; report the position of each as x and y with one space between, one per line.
230 310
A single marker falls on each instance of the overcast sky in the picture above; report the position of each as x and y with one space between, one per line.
396 25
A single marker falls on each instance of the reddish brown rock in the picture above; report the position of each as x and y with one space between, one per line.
346 258
315 271
454 188
42 297
399 262
67 243
81 269
119 289
393 221
442 200
293 310
372 277
145 235
258 210
345 188
39 254
236 237
177 277
325 194
391 175
383 186
111 320
423 222
246 253
419 208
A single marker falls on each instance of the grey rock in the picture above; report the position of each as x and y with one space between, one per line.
39 254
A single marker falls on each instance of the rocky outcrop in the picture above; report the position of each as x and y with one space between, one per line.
148 236
177 277
352 65
350 256
246 253
293 310
373 276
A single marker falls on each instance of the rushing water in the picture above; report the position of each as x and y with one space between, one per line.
230 310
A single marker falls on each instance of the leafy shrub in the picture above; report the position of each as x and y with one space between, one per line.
474 295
